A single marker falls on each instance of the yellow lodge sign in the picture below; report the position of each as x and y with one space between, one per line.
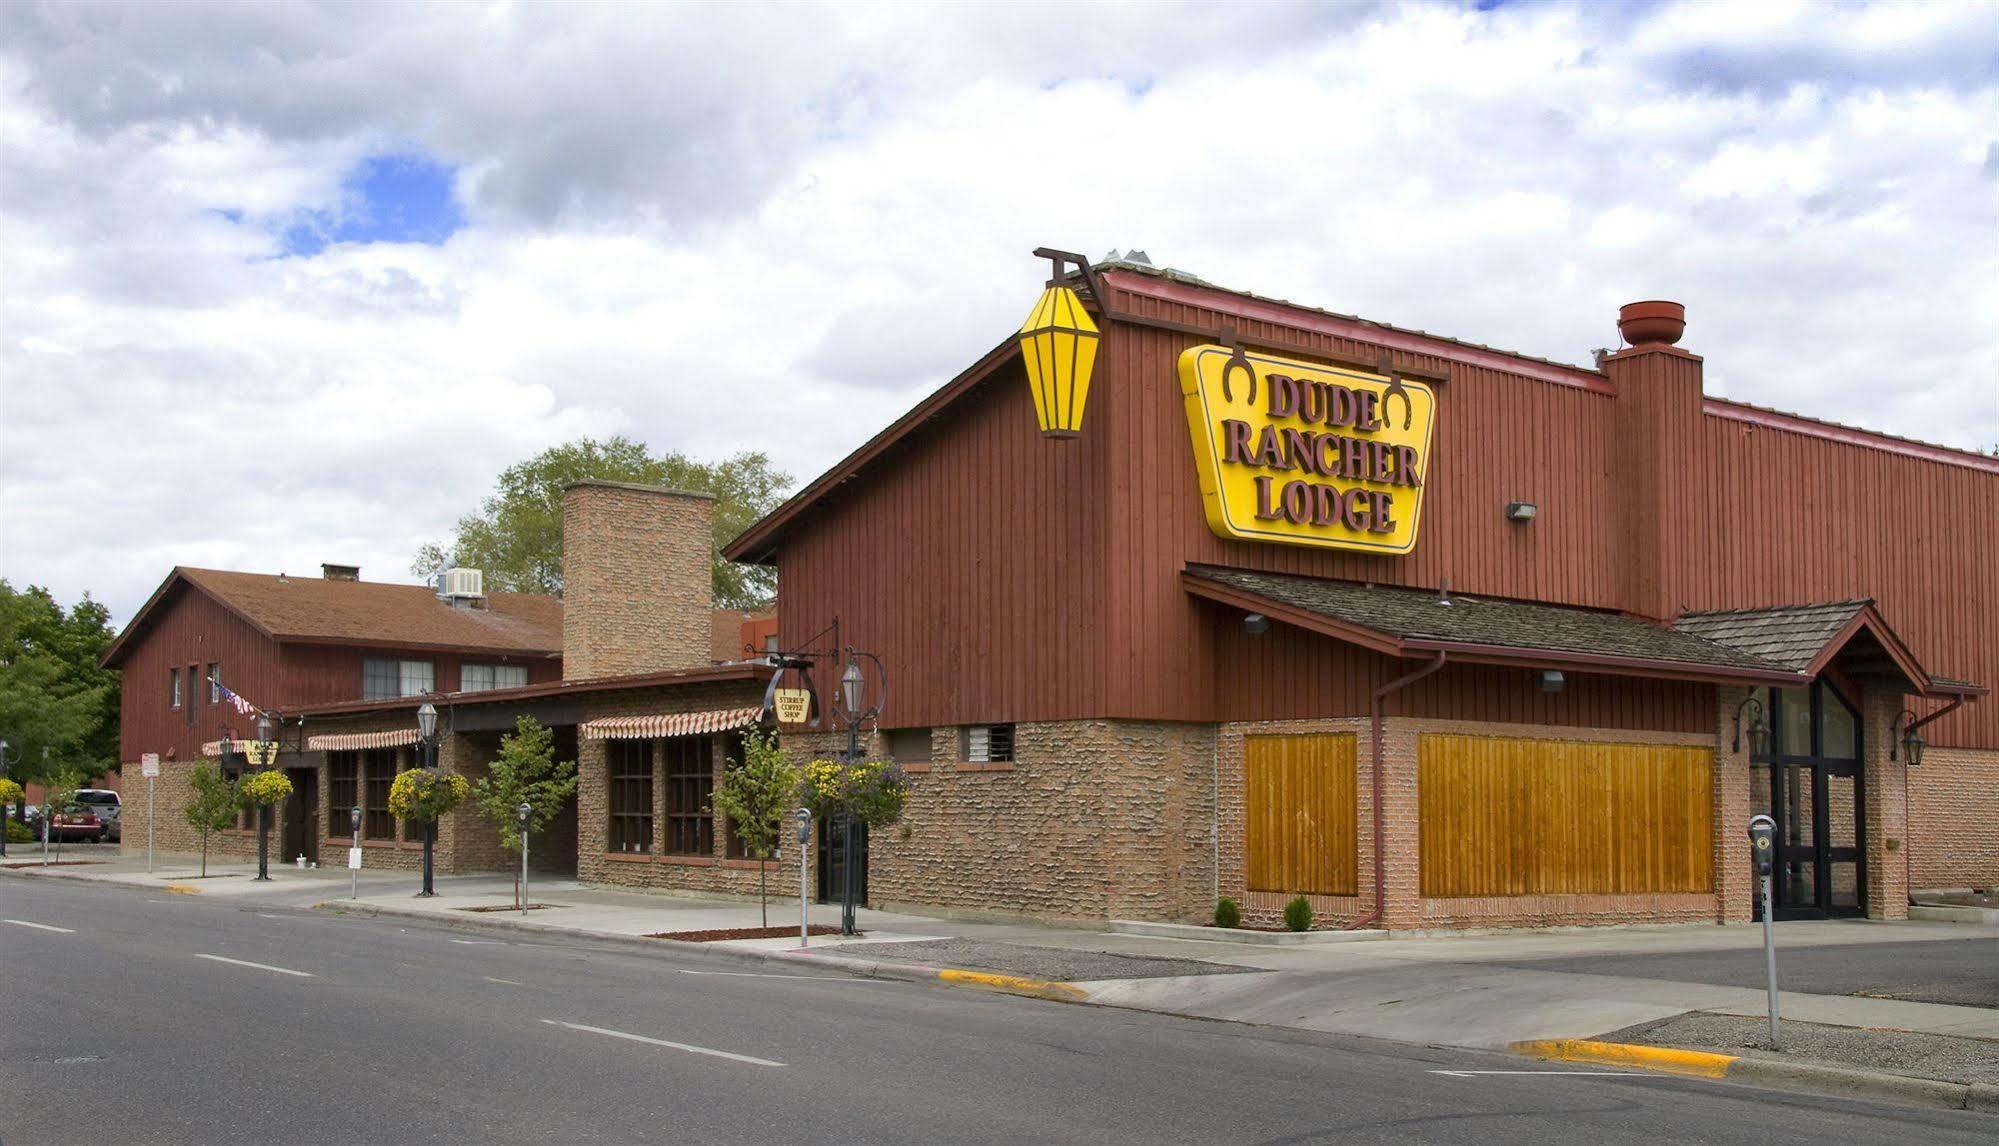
1304 454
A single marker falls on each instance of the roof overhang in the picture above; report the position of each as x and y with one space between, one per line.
1390 644
710 674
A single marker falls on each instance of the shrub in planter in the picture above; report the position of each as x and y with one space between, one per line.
1298 914
1227 914
19 833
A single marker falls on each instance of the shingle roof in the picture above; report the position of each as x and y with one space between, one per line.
315 609
1789 635
1418 618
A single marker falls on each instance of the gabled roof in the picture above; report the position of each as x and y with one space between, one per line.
317 611
1807 638
1416 622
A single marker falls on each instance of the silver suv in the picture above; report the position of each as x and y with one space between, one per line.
107 804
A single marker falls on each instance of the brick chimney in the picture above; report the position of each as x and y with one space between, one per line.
637 589
1658 440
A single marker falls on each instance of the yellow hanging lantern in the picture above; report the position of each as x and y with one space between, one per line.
1059 342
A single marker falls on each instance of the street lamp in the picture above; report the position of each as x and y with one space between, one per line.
426 734
1759 726
263 753
1906 742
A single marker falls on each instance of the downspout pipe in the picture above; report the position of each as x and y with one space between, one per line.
1375 718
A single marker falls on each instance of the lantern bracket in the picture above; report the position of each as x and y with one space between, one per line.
1058 277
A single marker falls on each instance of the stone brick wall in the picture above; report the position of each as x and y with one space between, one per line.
1884 789
636 579
1404 907
712 874
1953 819
173 791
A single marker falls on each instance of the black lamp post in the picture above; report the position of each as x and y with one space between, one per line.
852 689
265 753
426 735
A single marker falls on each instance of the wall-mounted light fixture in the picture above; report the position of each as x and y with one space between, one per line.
1552 680
1256 624
1902 736
1059 343
1759 726
1521 511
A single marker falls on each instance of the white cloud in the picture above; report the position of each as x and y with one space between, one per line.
731 227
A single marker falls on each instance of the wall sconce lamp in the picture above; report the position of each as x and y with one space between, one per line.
1908 741
1521 511
1256 624
1059 344
1759 727
1552 680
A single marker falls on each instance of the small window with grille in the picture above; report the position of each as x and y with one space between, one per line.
989 744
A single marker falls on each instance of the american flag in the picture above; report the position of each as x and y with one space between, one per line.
242 706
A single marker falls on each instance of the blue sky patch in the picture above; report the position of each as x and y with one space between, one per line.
385 199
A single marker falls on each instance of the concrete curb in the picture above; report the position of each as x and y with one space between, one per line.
1240 935
1843 1081
1953 913
864 968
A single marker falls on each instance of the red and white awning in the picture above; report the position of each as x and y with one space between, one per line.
354 741
214 747
678 724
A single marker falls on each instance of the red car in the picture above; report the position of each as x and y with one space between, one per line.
76 824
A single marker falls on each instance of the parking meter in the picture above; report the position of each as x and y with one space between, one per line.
354 854
804 818
1763 852
1762 843
524 810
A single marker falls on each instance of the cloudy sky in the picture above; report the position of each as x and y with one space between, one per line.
290 283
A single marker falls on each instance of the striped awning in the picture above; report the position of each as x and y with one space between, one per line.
214 747
352 741
678 724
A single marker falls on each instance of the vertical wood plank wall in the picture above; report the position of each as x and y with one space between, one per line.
1298 804
1544 817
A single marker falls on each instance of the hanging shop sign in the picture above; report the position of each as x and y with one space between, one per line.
792 704
1303 454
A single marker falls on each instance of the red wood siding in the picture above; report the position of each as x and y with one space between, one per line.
190 628
1006 577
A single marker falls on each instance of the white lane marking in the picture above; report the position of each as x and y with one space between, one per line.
476 942
766 975
1545 1073
258 966
40 926
688 1047
507 982
261 915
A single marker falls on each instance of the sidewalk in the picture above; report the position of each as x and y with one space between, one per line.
1488 991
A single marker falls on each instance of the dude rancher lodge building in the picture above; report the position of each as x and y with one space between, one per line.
1183 592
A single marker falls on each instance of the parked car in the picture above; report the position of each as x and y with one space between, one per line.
107 804
76 823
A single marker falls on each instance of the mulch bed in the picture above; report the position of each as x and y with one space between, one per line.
719 934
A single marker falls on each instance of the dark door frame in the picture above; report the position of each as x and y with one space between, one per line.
1813 770
299 830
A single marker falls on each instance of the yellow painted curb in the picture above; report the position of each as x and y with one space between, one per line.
1013 984
183 889
1700 1063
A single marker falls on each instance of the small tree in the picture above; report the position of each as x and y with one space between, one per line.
422 795
60 794
757 794
214 807
525 772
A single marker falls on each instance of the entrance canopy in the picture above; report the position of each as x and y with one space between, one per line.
1476 630
1808 639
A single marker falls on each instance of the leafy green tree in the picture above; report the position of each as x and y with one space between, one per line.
53 694
516 537
757 794
525 772
214 807
58 795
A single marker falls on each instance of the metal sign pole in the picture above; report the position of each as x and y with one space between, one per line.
149 825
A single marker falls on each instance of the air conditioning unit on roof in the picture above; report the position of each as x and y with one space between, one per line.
461 586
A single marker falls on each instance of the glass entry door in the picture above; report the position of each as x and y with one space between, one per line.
1809 782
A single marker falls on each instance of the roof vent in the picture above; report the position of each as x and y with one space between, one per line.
340 572
464 588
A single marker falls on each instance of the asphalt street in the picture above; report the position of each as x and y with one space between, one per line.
1961 972
131 1017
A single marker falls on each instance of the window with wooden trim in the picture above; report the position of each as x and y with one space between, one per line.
989 744
689 767
628 776
378 772
173 688
479 678
343 774
385 678
214 683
